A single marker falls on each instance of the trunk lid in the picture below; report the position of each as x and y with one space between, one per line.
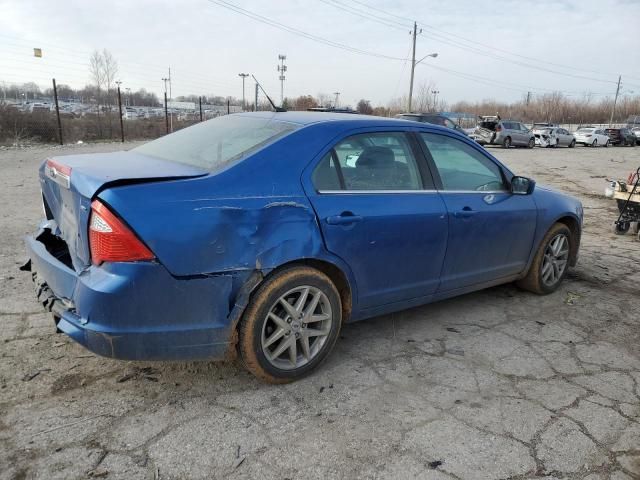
69 183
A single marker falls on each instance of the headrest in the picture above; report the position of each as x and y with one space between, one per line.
376 157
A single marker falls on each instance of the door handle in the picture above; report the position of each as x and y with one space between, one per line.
345 218
466 212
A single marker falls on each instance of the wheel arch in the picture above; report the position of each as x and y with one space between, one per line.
573 225
339 276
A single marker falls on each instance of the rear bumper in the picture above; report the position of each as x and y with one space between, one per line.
136 311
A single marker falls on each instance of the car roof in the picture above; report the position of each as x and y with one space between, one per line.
309 118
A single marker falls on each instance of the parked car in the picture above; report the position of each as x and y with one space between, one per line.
621 136
251 233
492 130
554 137
636 132
539 125
433 118
592 137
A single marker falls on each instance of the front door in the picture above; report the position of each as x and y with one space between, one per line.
379 212
490 230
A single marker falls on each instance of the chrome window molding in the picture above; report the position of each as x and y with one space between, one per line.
361 192
355 192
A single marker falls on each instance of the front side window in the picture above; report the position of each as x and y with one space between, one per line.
462 167
372 161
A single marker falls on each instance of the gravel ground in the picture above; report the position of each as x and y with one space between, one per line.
492 385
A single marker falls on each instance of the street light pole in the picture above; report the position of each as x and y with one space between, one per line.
414 63
337 94
243 75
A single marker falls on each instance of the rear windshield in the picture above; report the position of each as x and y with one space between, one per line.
586 130
218 142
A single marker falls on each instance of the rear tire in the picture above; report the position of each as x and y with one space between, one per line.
551 262
279 334
506 143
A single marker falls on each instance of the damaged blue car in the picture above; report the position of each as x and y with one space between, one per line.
261 234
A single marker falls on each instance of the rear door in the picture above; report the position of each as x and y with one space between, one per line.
379 212
491 231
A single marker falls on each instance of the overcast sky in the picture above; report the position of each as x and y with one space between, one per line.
207 45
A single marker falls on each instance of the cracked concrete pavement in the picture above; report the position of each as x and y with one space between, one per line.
498 384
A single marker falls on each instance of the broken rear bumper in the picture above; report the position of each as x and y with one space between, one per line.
136 311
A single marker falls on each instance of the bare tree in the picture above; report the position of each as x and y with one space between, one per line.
96 69
109 69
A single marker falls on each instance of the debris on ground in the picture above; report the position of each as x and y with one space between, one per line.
456 351
435 464
98 473
571 298
452 329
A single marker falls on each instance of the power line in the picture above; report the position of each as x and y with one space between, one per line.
295 31
481 52
359 13
475 42
457 44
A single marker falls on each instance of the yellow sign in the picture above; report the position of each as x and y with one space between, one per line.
37 52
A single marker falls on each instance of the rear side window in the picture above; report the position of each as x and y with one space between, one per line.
325 176
374 161
461 167
214 144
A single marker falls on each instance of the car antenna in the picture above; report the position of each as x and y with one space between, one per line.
277 109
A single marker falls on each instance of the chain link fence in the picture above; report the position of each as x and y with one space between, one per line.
44 119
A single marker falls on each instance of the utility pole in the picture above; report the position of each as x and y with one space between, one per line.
128 99
166 113
243 75
435 99
170 99
282 68
118 82
337 94
255 105
528 98
413 64
615 100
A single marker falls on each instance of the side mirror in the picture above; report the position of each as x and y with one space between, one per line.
522 185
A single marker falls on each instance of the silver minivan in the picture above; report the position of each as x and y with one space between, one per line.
492 130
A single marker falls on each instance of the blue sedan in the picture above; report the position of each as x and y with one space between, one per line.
260 234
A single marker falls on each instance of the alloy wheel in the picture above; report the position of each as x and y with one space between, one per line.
555 260
296 327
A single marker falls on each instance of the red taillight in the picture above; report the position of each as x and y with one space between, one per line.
110 240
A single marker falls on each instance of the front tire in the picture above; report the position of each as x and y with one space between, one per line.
532 143
550 265
290 325
506 143
594 143
572 144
